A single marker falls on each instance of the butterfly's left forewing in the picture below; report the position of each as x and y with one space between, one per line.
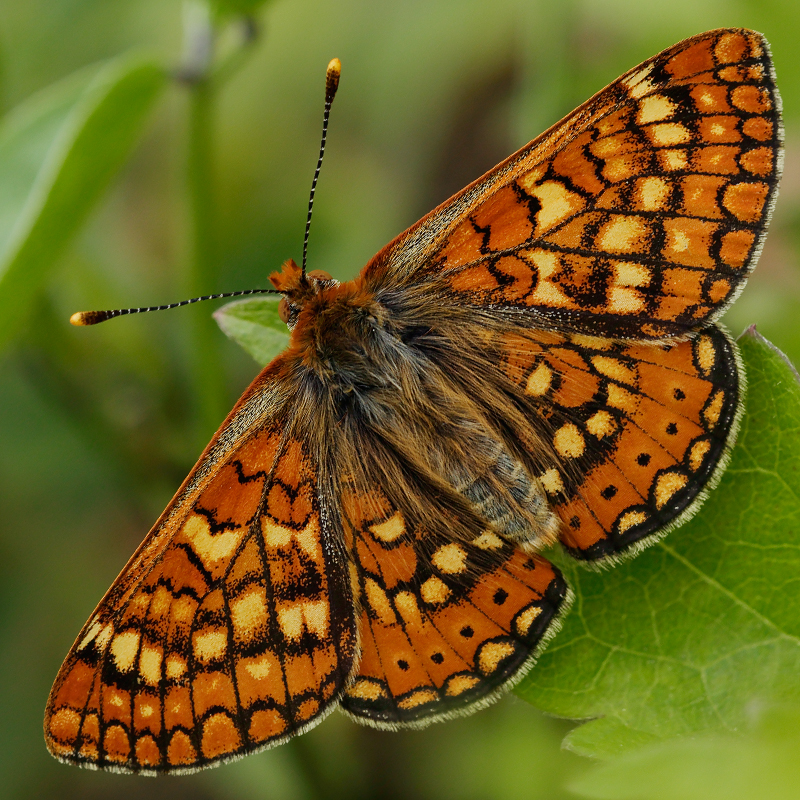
232 628
640 215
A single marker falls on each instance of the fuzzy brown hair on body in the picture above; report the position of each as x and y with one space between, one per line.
410 388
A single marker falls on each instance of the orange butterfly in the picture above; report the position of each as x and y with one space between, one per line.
535 360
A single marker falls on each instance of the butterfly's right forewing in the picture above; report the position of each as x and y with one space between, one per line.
232 628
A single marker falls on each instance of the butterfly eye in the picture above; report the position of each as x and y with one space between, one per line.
283 310
319 275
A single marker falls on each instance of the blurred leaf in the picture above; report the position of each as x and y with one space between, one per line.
758 766
682 638
243 7
256 326
58 151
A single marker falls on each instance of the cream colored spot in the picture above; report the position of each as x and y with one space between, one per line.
90 634
210 644
367 690
666 486
653 193
717 129
628 274
714 408
116 700
601 424
629 519
406 604
249 613
146 710
622 300
678 240
162 599
698 454
150 665
459 684
557 203
259 668
418 698
105 637
488 541
124 649
546 292
551 481
176 666
655 108
307 538
526 618
492 653
591 342
434 591
668 134
706 354
673 159
638 84
622 234
450 559
539 380
569 441
210 549
311 615
391 529
614 369
621 398
379 602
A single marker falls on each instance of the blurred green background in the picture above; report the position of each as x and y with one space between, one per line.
99 426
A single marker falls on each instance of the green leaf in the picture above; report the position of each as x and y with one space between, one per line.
58 151
683 638
255 325
762 764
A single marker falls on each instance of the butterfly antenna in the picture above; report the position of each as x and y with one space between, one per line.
94 317
331 85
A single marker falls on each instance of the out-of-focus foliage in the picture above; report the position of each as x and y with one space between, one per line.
761 763
99 426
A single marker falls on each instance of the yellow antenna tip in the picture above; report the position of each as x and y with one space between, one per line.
332 79
88 317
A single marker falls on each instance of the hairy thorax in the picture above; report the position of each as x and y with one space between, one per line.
375 367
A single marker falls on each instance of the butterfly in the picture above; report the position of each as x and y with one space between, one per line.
536 360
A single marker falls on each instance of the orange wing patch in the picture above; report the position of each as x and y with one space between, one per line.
444 625
235 634
639 215
639 432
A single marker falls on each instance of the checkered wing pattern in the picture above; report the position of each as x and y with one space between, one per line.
232 628
640 215
637 433
445 625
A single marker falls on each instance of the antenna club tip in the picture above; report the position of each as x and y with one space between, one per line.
332 75
87 318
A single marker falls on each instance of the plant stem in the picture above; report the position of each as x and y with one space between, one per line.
207 376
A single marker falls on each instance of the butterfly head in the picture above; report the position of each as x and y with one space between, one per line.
297 289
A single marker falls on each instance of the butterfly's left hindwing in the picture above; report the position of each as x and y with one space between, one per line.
232 628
